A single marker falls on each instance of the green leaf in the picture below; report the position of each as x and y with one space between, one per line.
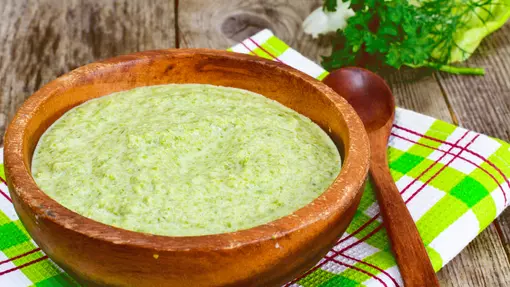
388 30
484 19
396 16
329 5
393 57
427 33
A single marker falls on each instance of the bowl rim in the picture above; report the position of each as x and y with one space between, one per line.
337 198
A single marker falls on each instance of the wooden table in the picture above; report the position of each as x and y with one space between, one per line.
41 40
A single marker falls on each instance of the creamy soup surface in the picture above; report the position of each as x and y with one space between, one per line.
184 160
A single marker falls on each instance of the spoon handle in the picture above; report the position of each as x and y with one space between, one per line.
412 258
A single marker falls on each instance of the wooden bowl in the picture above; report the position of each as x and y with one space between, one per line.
267 255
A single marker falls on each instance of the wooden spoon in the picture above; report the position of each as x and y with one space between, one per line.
373 101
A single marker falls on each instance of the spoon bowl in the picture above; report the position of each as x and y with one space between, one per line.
367 93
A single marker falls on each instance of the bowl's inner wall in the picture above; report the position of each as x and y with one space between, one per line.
104 78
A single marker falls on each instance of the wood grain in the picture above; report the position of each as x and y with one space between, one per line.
479 264
419 91
483 104
40 40
221 24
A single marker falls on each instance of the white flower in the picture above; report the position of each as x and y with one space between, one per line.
323 22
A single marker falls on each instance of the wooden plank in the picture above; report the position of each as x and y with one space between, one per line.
483 103
40 40
220 24
479 264
503 225
419 91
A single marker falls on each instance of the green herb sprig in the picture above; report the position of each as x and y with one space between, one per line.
393 33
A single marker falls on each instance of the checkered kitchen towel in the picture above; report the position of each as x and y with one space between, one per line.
454 182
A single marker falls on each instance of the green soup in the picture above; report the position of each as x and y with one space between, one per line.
184 160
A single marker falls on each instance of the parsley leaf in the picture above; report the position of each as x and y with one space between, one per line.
392 33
